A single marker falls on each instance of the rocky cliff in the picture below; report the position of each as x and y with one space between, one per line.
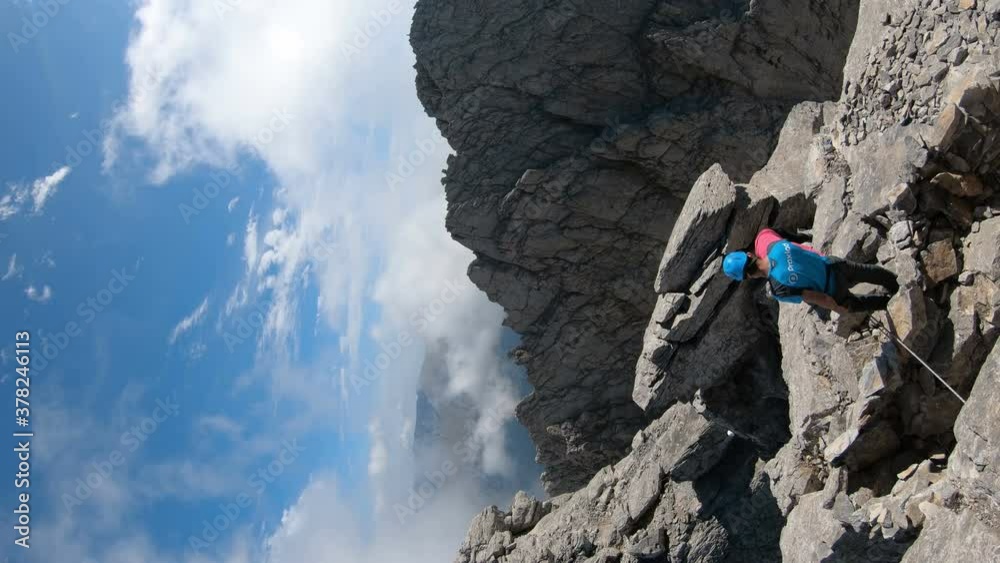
609 154
579 127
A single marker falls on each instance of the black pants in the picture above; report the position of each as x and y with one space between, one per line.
849 274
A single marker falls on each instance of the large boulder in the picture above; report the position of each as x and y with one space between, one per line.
525 512
698 231
956 537
982 251
977 455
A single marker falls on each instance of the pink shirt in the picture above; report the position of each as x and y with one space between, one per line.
767 237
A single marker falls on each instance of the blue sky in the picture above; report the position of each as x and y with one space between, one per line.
215 272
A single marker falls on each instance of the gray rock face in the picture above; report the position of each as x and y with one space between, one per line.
697 340
699 230
485 526
672 497
977 456
983 252
968 530
777 434
525 512
955 537
579 128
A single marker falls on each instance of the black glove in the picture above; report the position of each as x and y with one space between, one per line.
793 236
823 314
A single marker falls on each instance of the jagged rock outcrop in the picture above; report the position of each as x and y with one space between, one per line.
579 127
968 527
839 444
676 496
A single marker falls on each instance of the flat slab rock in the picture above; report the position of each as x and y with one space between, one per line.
697 231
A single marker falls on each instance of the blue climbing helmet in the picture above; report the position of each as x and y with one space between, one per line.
735 265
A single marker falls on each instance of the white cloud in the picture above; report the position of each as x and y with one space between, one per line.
220 424
47 260
276 83
232 204
406 433
11 202
278 216
9 207
13 269
189 322
237 299
197 351
425 276
379 456
378 460
320 505
322 527
37 194
43 295
43 189
250 242
192 68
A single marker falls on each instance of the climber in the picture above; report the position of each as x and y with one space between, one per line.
798 273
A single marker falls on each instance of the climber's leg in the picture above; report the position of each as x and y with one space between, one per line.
853 273
865 303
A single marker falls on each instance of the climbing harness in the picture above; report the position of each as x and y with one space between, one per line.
877 324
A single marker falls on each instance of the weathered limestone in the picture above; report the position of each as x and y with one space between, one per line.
698 230
579 129
599 211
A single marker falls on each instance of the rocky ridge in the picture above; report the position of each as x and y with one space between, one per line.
775 434
579 127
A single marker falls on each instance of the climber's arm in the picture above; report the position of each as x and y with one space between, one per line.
822 300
